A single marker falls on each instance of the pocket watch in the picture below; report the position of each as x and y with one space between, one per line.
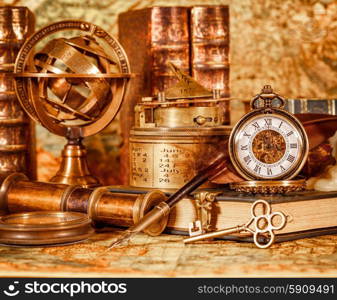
268 146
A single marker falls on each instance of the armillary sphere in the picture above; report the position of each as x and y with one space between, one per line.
71 77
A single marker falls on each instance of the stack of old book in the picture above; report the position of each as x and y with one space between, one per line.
195 39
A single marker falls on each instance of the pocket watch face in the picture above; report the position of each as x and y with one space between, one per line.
268 146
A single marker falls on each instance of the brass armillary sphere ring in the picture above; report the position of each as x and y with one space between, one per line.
77 82
72 76
66 75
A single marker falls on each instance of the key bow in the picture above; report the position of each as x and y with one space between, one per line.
263 223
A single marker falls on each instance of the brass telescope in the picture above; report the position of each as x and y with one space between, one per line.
18 194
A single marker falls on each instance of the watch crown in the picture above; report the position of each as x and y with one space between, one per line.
267 89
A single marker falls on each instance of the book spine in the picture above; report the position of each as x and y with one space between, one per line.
17 146
209 29
133 36
169 38
314 106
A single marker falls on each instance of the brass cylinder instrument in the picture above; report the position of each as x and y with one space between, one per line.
18 194
17 149
175 134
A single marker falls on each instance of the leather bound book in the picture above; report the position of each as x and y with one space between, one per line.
151 38
169 39
308 213
305 211
17 131
209 29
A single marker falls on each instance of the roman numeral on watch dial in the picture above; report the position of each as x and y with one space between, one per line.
291 158
247 159
269 171
257 169
256 125
268 122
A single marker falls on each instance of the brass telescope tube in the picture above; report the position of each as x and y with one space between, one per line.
18 194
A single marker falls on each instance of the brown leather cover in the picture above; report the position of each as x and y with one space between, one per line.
210 48
318 159
17 131
151 37
319 127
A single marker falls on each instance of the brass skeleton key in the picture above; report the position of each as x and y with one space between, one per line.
263 226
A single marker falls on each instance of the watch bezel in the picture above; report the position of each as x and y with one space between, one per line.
289 174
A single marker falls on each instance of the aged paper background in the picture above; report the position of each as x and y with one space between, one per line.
290 44
167 256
